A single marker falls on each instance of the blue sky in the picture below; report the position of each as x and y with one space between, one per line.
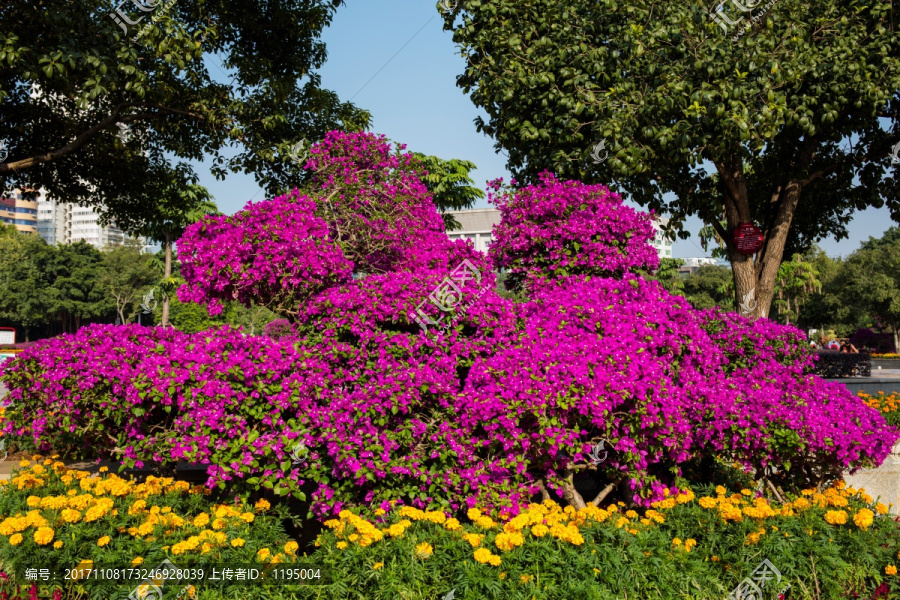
414 100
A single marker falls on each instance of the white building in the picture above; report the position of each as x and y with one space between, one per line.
699 262
476 226
662 243
65 223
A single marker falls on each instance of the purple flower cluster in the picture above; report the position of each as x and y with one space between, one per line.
275 252
478 410
557 229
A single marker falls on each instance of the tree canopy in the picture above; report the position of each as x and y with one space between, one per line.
96 97
789 125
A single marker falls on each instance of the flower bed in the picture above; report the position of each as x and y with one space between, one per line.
691 544
58 519
887 404
837 542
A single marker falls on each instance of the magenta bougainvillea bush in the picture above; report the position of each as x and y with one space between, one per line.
400 373
561 228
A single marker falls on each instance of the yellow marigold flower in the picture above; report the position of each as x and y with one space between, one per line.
262 505
237 542
264 553
103 541
436 516
33 501
341 545
396 530
15 539
525 578
881 509
676 542
378 566
104 469
452 525
864 518
837 501
836 517
746 492
631 514
494 560
58 544
485 522
474 539
482 555
201 520
714 558
801 503
646 522
353 537
206 547
890 570
473 513
689 543
247 517
424 550
291 547
43 536
137 561
720 490
24 463
70 516
707 502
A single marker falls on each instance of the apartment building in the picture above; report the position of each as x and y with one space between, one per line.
15 210
64 223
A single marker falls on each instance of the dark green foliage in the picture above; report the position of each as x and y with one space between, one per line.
450 185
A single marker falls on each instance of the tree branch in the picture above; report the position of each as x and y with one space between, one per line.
603 494
89 134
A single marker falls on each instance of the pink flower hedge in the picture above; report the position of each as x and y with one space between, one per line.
403 374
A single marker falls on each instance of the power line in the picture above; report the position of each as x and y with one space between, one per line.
392 58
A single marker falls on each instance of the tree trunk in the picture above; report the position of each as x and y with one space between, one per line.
26 334
570 494
166 274
754 277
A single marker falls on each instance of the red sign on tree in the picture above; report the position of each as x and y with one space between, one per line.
748 238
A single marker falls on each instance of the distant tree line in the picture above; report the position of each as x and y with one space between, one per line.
813 291
46 290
